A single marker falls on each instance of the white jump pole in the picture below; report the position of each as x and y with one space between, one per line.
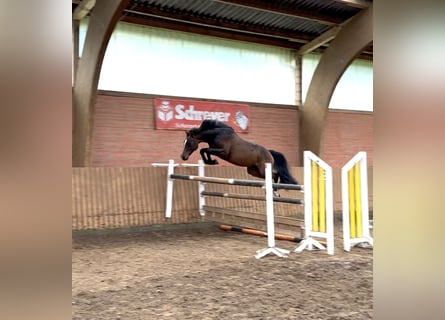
270 220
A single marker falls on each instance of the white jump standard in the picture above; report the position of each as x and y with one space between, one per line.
318 204
270 221
356 227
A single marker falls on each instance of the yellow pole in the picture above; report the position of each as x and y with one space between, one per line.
322 196
351 189
358 200
315 226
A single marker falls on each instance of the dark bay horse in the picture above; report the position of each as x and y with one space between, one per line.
226 144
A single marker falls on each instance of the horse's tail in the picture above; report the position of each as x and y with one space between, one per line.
280 164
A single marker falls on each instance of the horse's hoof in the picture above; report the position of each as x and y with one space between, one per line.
210 162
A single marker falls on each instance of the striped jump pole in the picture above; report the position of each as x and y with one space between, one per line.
318 201
354 179
267 183
237 182
278 236
250 197
318 204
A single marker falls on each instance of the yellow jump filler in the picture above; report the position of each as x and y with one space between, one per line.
354 177
318 205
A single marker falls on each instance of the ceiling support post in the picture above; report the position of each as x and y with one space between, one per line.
104 17
355 35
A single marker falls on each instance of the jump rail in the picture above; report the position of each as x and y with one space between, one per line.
318 201
250 197
238 182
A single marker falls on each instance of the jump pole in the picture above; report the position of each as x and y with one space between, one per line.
268 183
318 201
260 233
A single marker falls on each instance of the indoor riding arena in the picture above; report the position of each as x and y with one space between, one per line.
158 237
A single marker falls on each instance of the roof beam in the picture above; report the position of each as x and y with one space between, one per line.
291 11
319 41
361 4
322 39
213 32
233 26
83 9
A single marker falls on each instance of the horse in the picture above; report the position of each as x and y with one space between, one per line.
226 144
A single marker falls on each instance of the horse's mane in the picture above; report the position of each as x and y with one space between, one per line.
213 124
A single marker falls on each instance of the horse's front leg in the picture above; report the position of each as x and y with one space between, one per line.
205 155
219 152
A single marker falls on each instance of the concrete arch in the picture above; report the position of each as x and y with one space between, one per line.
349 42
104 18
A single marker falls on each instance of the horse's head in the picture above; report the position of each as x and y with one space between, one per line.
190 145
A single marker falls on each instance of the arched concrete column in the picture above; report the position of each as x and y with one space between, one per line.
349 42
103 20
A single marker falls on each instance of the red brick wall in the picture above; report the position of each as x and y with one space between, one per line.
124 133
346 133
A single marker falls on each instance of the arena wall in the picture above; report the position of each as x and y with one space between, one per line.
125 135
122 189
122 197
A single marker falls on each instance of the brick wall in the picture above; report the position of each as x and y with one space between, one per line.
124 134
346 133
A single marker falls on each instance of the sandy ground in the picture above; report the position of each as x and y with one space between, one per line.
201 272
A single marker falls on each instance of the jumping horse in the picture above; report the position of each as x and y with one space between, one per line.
226 144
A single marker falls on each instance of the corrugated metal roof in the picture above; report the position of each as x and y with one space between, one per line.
295 20
249 15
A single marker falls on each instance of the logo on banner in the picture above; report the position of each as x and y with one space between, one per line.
165 111
241 120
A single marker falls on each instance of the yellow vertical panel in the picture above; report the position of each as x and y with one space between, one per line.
322 197
358 200
315 226
351 190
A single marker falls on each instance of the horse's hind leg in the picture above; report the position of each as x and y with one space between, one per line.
275 176
254 171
